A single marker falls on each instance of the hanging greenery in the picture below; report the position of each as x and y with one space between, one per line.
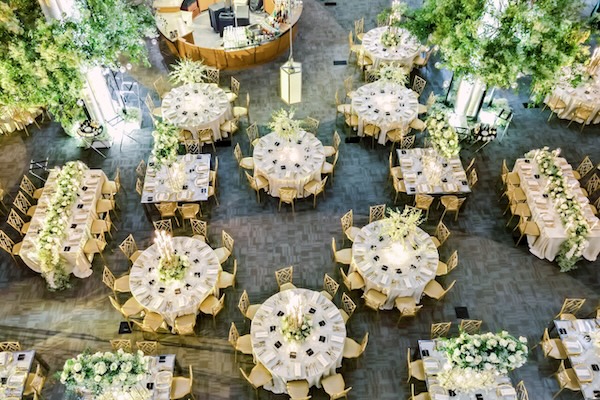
42 63
499 45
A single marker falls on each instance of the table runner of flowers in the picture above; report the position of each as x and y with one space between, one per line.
443 136
166 143
100 373
567 207
52 234
475 361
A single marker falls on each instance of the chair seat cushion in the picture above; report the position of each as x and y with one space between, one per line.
37 193
344 256
327 295
231 96
356 281
228 126
135 255
199 237
132 307
208 304
417 370
17 248
240 111
329 151
180 387
376 296
352 232
345 315
252 309
436 241
247 163
109 187
352 349
312 187
327 168
225 280
244 344
223 254
31 211
287 286
442 269
122 284
405 303
344 108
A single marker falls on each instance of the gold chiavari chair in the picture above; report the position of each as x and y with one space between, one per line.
376 212
10 346
453 204
205 136
256 183
248 310
212 305
348 86
148 347
287 195
348 307
154 110
229 127
441 234
527 227
353 48
8 245
17 223
234 90
581 114
353 280
341 108
165 225
329 168
239 111
316 188
569 309
419 85
121 344
253 134
188 211
185 325
115 284
243 162
447 267
199 229
30 189
350 231
168 210
373 131
407 142
23 205
226 248
440 329
213 75
182 387
436 291
423 202
522 391
567 379
311 125
330 151
335 386
407 307
555 104
343 256
415 368
284 278
227 279
374 299
359 28
130 249
353 349
258 377
330 287
192 146
239 343
298 390
585 166
470 326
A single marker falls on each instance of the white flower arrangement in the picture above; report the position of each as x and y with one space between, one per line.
465 380
398 225
284 125
100 372
393 73
498 353
390 37
293 330
444 137
188 71
567 207
50 238
166 143
172 268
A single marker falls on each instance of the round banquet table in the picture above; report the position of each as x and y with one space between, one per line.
385 104
403 54
394 268
587 93
175 298
289 163
197 106
318 356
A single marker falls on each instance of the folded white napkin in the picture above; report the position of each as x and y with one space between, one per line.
337 339
332 313
408 283
583 372
322 360
268 309
297 369
507 391
384 279
268 356
261 334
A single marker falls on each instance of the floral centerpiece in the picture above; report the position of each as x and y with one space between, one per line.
394 73
475 360
283 124
102 372
295 325
50 237
566 205
443 136
398 225
390 37
188 71
166 143
171 266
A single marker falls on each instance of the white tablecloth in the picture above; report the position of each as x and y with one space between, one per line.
403 54
197 106
195 188
14 368
289 163
583 355
83 213
325 344
175 298
587 93
543 213
385 104
451 174
434 362
394 268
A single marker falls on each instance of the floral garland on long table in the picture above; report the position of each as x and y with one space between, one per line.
567 207
58 212
474 361
444 137
99 373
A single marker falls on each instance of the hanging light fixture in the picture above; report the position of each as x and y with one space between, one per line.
291 72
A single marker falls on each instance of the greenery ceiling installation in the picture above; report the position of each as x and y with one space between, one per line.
499 41
42 64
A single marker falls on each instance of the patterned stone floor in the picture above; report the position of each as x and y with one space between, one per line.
505 286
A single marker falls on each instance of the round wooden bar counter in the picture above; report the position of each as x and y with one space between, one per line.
183 47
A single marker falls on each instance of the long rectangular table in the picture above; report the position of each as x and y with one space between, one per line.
83 214
417 180
543 212
583 354
14 371
195 188
433 363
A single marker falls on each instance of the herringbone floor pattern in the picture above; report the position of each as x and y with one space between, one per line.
505 286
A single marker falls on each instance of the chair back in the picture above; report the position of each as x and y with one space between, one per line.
348 80
337 140
522 391
252 132
592 185
149 103
227 241
148 347
115 304
199 227
15 221
167 209
234 335
470 326
423 201
140 170
237 153
330 285
440 329
108 278
284 275
442 233
562 375
10 346
244 303
192 146
359 26
219 306
205 135
311 125
350 39
335 160
117 179
165 225
376 212
407 142
128 246
450 286
139 186
571 306
124 344
473 178
504 169
235 86
347 221
213 75
161 86
471 164
364 342
452 261
6 243
27 186
348 305
419 84
345 279
21 203
585 166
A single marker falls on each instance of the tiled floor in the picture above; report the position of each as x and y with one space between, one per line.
505 286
